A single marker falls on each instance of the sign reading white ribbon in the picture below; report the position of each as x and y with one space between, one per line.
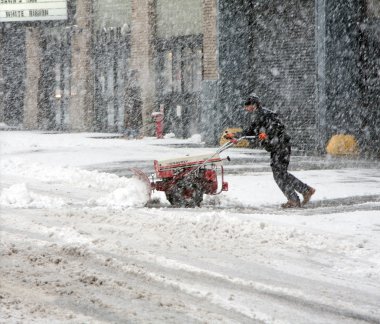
32 10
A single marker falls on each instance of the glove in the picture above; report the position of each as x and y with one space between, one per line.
263 136
229 136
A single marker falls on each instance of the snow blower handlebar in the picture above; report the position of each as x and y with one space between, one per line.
224 147
232 142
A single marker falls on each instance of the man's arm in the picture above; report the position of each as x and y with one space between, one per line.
251 130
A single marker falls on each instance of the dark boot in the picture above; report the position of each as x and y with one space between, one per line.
291 204
307 195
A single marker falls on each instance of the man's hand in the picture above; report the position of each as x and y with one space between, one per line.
229 136
263 136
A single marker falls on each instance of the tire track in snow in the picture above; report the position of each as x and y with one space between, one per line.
173 277
91 279
293 298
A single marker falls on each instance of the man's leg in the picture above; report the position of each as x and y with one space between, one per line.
290 182
297 184
279 165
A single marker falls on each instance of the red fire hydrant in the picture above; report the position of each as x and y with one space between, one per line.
159 120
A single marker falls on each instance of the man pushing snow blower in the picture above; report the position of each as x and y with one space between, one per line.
270 131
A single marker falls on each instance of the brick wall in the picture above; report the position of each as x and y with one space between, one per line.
142 55
33 74
210 56
210 112
81 109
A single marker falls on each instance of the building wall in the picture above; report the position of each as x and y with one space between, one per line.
235 60
1 79
342 66
13 69
284 64
142 56
370 78
313 61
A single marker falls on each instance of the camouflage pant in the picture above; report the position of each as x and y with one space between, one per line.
287 182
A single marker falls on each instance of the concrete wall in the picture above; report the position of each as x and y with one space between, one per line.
1 80
33 74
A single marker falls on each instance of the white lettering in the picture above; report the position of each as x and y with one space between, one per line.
38 13
7 1
14 13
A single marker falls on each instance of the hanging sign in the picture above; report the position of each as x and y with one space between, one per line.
32 10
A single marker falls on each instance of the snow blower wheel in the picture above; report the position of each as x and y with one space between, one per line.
185 194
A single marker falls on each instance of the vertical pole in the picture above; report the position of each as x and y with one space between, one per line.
33 75
320 36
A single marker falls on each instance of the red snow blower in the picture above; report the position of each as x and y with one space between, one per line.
184 180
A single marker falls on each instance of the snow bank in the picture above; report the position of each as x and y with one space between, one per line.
68 175
19 196
121 191
136 194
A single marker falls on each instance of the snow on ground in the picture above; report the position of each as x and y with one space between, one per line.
78 244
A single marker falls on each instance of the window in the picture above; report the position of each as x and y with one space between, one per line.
168 72
187 70
180 65
177 72
192 70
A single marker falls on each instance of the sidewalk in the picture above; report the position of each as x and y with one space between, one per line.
255 160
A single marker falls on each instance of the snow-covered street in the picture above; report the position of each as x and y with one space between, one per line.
80 245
